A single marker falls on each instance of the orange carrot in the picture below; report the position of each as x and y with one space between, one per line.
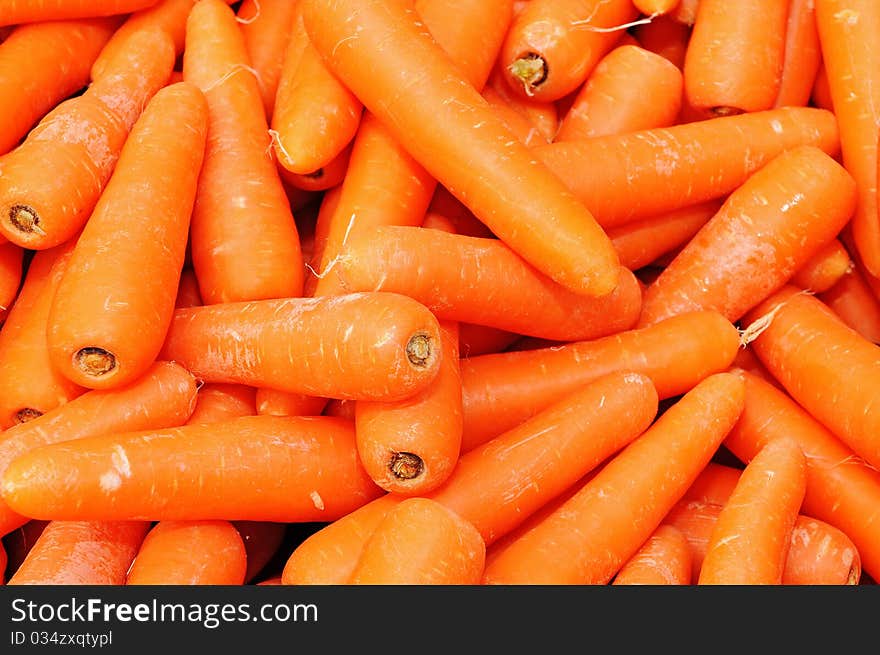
541 221
187 290
459 278
544 115
372 345
244 241
500 391
266 26
751 538
82 553
666 36
261 539
803 55
629 176
553 45
664 559
190 553
19 542
824 269
717 481
421 542
340 407
591 535
80 140
820 95
852 299
630 89
517 122
31 11
11 270
686 12
321 179
764 232
476 340
283 403
112 308
652 8
216 403
43 63
257 468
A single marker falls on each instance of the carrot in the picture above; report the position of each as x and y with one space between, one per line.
190 553
19 543
652 8
29 384
266 26
82 553
686 12
31 11
340 407
630 176
846 239
216 403
498 486
500 391
256 468
824 269
11 270
751 538
852 299
476 340
639 243
372 345
321 179
283 403
421 542
591 535
802 55
815 355
630 89
820 95
517 122
261 539
764 232
112 308
244 241
315 116
842 489
163 397
847 30
717 481
665 36
553 45
459 279
819 553
187 290
664 559
43 63
747 360
541 221
543 114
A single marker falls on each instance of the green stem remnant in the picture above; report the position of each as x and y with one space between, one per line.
531 70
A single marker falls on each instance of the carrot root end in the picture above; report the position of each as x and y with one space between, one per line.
25 219
406 466
420 350
95 362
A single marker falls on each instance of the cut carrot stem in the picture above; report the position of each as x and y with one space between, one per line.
307 467
852 299
421 542
765 231
190 553
541 221
244 240
824 269
112 308
803 55
266 26
665 36
629 176
630 89
284 403
459 279
261 539
499 391
82 553
29 11
553 45
372 345
592 534
664 559
217 402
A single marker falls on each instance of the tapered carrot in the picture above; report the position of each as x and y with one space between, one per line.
43 63
108 318
751 538
540 221
190 553
163 397
765 231
458 278
802 55
847 30
80 139
842 489
421 542
630 89
639 243
256 468
82 553
29 384
11 270
815 355
266 26
589 537
824 269
32 11
244 241
665 36
476 340
630 176
261 539
502 390
498 486
852 299
553 45
283 403
217 402
372 345
187 290
664 559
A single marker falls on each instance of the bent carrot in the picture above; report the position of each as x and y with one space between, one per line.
421 542
765 230
371 345
307 467
825 268
216 403
283 403
32 11
652 171
261 539
266 26
540 221
82 553
664 559
852 299
802 55
190 553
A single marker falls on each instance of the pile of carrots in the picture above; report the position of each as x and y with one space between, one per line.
448 292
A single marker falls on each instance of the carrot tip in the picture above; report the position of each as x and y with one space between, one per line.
420 350
27 414
531 70
95 362
25 219
406 466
